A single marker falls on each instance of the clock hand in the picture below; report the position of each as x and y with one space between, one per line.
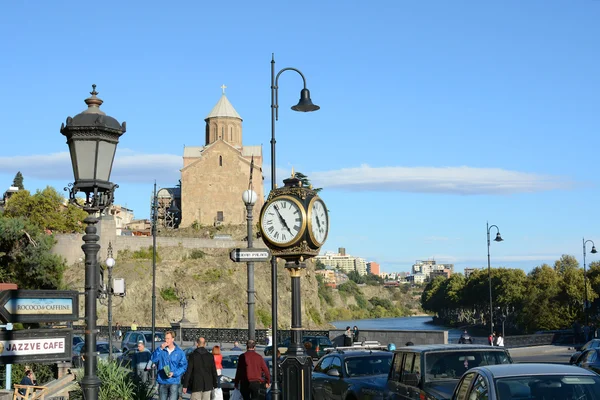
285 225
318 222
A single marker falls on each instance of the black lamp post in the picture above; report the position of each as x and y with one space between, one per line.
92 137
249 197
110 263
154 216
304 105
585 304
498 239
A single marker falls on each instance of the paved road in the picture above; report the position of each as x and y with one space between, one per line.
549 354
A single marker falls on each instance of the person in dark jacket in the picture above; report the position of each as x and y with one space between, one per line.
252 373
355 333
201 375
27 380
465 338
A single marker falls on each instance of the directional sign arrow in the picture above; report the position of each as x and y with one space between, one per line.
39 305
245 255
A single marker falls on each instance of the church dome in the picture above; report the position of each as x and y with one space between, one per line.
223 108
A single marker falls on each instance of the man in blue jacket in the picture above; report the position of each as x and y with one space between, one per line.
171 364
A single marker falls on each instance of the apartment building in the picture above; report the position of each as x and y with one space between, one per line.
344 262
428 266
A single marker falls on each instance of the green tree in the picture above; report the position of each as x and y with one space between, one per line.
18 181
319 265
25 255
47 209
305 181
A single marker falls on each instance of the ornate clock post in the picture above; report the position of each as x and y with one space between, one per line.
294 224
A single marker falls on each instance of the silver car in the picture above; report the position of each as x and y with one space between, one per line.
528 381
230 362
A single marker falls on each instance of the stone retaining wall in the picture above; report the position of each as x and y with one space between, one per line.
399 338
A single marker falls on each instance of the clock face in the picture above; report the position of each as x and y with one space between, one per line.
318 221
283 221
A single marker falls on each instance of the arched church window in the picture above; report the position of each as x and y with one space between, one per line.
231 133
215 131
220 161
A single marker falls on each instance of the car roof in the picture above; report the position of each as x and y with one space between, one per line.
441 347
508 370
358 352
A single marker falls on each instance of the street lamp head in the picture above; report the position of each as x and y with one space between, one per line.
593 250
498 238
173 209
305 104
249 197
92 137
110 262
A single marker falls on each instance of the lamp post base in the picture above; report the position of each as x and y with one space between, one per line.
297 375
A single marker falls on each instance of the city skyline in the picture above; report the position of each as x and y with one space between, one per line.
434 119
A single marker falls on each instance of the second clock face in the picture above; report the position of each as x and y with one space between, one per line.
283 221
319 221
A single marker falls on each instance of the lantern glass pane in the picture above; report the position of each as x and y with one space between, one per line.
85 153
73 159
106 154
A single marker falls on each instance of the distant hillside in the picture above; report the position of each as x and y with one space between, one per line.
216 291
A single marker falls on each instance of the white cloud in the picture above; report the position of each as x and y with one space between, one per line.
453 180
135 167
129 166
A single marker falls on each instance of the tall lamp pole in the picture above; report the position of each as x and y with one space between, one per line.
249 197
154 215
585 304
110 263
304 105
497 239
92 137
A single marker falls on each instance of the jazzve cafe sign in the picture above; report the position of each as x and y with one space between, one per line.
40 345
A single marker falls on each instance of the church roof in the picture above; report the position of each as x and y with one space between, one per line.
223 108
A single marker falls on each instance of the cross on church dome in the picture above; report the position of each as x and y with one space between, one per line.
223 87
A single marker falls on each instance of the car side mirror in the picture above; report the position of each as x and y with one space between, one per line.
411 379
333 372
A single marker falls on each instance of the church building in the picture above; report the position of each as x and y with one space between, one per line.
215 175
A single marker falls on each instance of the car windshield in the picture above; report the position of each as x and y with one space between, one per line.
230 362
563 387
451 365
102 348
375 364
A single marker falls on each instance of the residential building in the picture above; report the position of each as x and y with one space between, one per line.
122 216
428 266
469 271
417 278
373 268
343 262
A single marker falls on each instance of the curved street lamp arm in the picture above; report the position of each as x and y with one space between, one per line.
275 87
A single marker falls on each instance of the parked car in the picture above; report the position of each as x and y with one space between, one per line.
102 349
592 344
77 339
528 381
319 343
432 371
230 361
590 359
131 339
350 374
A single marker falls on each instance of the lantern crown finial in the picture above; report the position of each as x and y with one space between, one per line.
94 103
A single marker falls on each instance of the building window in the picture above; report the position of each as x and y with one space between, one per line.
231 134
219 216
220 161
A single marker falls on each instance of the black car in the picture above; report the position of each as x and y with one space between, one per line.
592 344
349 374
590 359
318 345
432 371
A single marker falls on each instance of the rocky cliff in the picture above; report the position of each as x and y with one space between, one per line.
215 289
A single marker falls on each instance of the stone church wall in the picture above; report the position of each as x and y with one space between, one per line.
69 245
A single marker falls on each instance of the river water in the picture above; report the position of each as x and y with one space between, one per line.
400 324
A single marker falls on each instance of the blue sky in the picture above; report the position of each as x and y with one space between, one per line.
436 116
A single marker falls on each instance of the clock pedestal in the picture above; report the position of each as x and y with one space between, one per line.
297 365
